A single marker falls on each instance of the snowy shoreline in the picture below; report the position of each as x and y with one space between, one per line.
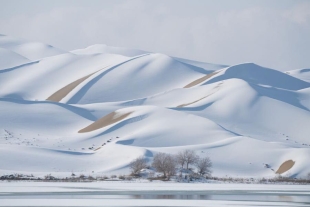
251 181
157 193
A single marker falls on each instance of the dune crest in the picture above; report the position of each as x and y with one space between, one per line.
287 165
186 104
183 105
200 80
105 121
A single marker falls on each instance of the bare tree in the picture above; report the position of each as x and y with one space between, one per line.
204 166
180 158
189 157
137 165
164 163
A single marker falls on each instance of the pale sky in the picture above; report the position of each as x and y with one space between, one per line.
271 33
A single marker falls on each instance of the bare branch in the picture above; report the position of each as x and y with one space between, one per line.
204 166
137 165
187 157
164 163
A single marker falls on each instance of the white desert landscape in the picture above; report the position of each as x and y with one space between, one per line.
94 110
155 103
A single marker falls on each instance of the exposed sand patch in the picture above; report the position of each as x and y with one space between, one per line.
200 80
105 121
182 105
61 93
97 149
285 166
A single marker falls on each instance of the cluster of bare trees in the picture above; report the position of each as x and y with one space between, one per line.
189 157
167 164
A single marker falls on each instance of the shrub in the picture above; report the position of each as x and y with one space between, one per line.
91 177
49 177
128 178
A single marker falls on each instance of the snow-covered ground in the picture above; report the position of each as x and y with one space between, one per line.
151 194
96 109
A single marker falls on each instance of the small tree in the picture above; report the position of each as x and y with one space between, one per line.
190 157
164 163
137 165
204 166
180 158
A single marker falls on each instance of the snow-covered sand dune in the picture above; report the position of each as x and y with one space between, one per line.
303 74
97 109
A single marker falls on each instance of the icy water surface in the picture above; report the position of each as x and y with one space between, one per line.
152 194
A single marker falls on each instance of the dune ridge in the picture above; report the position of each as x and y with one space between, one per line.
105 121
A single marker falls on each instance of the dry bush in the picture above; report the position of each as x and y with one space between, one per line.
128 178
90 177
105 177
121 177
49 177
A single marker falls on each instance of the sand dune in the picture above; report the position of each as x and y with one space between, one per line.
285 166
200 80
244 111
182 105
216 87
105 121
61 93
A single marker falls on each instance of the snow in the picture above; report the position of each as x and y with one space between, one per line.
30 50
10 59
101 48
138 76
151 194
303 74
242 116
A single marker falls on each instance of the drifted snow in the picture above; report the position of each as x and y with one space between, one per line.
242 117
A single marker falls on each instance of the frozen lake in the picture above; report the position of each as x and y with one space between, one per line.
151 194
